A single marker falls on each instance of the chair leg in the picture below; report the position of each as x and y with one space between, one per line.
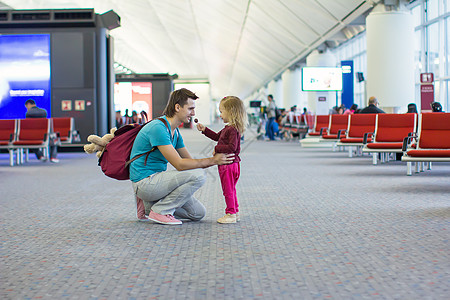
11 157
422 166
417 166
408 168
429 165
350 151
27 151
18 156
374 158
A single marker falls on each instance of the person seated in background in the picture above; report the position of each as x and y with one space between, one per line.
341 109
36 112
351 110
372 108
305 111
436 107
412 108
334 110
119 119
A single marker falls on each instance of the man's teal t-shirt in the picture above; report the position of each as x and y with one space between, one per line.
153 134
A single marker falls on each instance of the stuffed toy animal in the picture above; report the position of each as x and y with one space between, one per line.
97 144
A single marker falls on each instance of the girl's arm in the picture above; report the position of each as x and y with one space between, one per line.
211 134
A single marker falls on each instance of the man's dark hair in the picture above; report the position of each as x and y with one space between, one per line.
30 101
270 96
436 107
180 97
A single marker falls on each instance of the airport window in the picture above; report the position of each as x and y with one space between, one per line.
431 54
447 61
417 13
433 49
433 45
418 53
432 9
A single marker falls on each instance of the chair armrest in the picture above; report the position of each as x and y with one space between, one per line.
11 137
366 137
340 131
406 141
322 129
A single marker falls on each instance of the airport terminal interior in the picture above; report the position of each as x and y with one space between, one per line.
344 183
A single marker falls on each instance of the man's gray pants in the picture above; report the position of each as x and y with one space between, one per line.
172 192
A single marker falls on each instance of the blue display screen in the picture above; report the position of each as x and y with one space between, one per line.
25 73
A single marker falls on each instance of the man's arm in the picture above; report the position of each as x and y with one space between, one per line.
184 153
172 156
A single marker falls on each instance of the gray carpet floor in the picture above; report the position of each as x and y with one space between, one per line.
315 225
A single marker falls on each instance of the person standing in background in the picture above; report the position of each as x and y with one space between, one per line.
271 115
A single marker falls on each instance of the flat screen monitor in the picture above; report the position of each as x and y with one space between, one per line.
25 73
321 79
133 96
255 103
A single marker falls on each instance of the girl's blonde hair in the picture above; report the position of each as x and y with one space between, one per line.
236 112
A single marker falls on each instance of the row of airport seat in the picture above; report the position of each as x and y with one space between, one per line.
295 125
420 138
20 135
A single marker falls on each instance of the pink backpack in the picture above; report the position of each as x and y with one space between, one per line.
115 159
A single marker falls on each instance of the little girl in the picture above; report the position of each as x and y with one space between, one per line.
232 111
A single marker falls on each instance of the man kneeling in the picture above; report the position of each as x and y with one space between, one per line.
170 194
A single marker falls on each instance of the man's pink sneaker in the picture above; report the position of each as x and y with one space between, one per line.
163 219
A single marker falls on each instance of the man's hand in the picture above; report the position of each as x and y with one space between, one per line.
223 159
201 127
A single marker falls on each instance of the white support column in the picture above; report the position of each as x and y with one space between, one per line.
291 88
390 58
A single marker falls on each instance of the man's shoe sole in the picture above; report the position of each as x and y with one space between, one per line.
165 223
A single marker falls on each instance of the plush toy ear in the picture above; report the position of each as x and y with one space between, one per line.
113 130
97 140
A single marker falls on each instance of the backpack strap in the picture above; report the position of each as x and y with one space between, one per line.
154 148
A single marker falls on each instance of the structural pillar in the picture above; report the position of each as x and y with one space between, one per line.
390 58
291 87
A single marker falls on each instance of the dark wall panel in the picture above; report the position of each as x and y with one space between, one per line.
68 60
161 90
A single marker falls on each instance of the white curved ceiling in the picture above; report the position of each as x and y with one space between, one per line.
238 45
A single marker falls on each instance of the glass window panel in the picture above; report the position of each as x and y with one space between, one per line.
448 5
416 12
437 90
417 54
432 9
447 98
447 55
433 48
